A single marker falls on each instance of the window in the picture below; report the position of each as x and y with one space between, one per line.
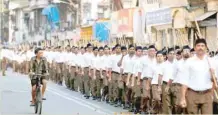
152 1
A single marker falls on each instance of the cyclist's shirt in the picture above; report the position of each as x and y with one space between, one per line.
40 67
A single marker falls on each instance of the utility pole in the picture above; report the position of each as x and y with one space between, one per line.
1 24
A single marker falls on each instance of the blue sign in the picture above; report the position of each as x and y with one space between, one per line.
159 17
52 14
101 31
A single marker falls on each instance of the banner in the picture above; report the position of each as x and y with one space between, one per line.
101 31
86 33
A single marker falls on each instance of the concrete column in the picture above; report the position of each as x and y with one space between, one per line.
10 28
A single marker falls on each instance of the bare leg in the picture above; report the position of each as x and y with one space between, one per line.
33 94
44 87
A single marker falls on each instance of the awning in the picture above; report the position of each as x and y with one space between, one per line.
205 16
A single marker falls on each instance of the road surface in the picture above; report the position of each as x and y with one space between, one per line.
15 99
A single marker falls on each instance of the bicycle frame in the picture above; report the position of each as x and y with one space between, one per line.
38 98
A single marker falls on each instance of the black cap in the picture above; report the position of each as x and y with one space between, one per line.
177 47
95 48
179 53
123 48
159 52
151 47
113 48
200 41
117 45
192 50
100 48
106 47
186 47
131 46
88 45
170 49
138 48
145 48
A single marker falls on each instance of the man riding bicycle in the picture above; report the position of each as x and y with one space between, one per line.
38 65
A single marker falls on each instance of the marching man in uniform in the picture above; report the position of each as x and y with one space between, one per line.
198 83
178 78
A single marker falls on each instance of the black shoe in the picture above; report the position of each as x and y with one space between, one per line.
137 112
43 98
126 106
118 104
107 101
32 104
93 98
131 110
112 103
87 97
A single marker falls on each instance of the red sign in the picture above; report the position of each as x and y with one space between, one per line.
125 20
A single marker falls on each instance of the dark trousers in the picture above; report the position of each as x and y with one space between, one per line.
215 108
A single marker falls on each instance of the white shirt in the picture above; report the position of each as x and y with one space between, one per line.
197 73
10 54
138 66
72 59
94 62
107 62
114 61
87 59
178 72
168 71
81 60
29 55
157 70
101 64
127 64
147 66
59 57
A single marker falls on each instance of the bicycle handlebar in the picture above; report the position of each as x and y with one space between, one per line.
38 75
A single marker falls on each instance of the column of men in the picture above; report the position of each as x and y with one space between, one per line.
140 79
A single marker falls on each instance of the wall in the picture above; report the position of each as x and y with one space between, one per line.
211 36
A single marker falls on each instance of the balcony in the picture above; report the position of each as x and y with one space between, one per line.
35 4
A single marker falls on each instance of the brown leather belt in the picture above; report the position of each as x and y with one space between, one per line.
115 72
164 82
177 84
145 78
200 92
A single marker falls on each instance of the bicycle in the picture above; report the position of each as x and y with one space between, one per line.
38 98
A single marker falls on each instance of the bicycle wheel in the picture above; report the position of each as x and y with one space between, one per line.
38 105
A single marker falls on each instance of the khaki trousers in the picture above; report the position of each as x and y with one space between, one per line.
176 96
202 101
166 100
87 80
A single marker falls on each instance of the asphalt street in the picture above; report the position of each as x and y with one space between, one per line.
15 99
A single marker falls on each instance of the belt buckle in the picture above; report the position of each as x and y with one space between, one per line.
201 92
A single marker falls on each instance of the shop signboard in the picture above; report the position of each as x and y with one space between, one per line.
159 17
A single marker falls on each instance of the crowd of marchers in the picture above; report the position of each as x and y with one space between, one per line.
141 79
